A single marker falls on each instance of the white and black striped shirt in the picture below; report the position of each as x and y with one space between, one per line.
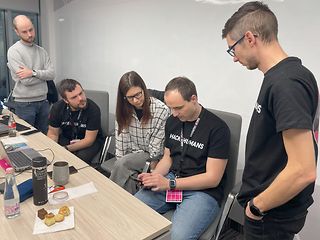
148 137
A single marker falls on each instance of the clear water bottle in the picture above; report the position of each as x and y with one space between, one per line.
11 195
12 126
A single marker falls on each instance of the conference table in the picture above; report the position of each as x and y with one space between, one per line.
109 213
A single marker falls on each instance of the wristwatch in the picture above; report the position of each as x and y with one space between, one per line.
34 73
254 210
172 184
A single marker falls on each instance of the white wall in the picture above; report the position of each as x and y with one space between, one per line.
97 41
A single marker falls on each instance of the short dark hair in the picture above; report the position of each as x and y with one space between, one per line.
124 109
255 17
67 85
184 86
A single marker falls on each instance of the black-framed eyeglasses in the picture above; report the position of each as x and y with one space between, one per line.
136 96
231 48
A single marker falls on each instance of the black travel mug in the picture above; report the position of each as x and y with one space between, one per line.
39 181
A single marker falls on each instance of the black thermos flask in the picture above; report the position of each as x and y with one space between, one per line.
39 181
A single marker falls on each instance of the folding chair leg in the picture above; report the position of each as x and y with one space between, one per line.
225 214
105 149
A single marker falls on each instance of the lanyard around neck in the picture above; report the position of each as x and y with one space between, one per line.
184 149
75 129
191 134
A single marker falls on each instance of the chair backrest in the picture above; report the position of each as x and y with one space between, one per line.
101 98
234 122
157 94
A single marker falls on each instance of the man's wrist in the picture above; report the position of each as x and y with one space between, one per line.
34 73
172 184
255 210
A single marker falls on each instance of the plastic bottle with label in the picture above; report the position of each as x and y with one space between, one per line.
11 195
12 126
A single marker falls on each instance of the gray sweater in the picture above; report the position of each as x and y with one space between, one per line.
34 57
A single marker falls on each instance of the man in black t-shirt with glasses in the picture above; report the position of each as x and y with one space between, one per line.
191 175
75 121
281 148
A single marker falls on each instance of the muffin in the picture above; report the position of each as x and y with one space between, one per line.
59 217
49 219
64 210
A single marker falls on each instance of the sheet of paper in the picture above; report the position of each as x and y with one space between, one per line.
74 192
13 140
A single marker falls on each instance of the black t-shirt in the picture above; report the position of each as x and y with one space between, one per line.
288 99
211 138
73 124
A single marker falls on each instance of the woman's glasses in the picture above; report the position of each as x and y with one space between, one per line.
136 96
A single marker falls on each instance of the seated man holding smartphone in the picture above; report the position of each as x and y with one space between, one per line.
190 176
75 121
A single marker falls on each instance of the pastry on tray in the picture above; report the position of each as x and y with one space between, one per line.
49 219
59 217
64 210
42 213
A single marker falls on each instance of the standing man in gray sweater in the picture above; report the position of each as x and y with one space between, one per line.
30 68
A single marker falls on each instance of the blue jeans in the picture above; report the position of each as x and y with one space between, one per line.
191 217
270 228
35 113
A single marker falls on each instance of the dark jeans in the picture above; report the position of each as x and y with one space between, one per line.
270 228
35 113
86 154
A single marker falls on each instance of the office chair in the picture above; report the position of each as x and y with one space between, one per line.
234 122
101 98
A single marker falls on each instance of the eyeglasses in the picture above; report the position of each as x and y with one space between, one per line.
136 96
231 49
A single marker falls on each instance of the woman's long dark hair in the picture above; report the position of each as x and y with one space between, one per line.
124 109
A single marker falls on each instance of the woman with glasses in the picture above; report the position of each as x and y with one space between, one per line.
139 130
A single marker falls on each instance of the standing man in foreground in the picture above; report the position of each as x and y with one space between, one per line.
191 175
30 68
281 150
75 121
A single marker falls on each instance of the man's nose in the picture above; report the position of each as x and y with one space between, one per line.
80 98
174 112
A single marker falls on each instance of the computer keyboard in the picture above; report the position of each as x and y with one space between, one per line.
19 159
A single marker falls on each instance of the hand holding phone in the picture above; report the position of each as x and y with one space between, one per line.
146 167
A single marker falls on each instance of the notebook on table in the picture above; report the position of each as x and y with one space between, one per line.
20 159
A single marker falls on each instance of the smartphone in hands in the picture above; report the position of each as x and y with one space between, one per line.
146 167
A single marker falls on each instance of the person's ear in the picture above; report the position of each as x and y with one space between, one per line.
251 38
194 98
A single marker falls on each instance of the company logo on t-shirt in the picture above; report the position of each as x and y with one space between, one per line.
258 107
187 141
76 124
